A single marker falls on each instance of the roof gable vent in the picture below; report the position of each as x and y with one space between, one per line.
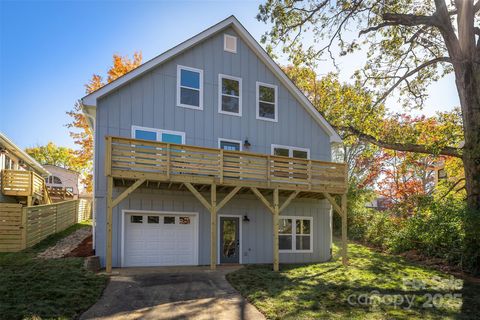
230 43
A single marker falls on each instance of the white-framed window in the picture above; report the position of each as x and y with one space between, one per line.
295 234
267 102
229 95
229 144
292 152
154 134
53 180
230 43
189 87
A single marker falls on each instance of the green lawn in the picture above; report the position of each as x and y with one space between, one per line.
46 289
323 291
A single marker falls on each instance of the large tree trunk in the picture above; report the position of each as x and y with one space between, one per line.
468 85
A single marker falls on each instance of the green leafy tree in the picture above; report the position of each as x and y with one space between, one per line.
409 45
57 156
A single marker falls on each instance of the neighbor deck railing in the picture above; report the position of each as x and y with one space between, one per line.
133 158
24 183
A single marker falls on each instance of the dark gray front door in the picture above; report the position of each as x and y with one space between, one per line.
229 240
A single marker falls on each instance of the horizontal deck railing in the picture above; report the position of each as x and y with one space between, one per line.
23 183
133 158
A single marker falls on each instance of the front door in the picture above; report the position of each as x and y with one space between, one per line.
229 240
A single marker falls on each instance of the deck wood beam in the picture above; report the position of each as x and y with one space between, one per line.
213 227
108 262
228 197
262 198
127 192
275 217
333 203
198 195
289 199
344 231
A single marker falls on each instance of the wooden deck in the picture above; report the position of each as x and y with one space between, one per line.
199 168
22 183
165 162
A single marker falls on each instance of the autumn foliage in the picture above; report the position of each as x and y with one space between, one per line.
80 130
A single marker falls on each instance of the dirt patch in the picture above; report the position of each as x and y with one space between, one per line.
66 245
84 249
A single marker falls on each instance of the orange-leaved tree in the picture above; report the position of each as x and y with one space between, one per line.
80 131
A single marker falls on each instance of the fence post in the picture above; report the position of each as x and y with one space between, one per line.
24 227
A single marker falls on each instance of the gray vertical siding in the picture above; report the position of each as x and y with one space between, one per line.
150 101
256 235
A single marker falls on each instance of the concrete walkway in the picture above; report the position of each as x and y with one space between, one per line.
171 293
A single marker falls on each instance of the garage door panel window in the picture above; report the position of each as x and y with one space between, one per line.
297 238
184 220
136 219
153 219
168 220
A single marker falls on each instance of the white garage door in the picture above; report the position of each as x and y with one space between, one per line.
160 239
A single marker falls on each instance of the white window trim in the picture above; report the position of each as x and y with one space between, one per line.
224 76
257 102
200 71
294 234
240 219
225 36
290 150
159 132
230 140
143 212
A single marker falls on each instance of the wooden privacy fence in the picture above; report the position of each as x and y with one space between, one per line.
23 227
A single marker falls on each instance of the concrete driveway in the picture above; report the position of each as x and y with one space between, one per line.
171 293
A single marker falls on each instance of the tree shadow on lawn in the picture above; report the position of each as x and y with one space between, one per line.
365 289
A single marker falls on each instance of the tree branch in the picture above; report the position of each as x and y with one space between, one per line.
409 74
409 20
409 147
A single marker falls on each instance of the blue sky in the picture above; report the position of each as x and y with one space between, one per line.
49 50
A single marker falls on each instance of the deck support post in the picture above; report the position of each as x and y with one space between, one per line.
344 231
213 227
276 213
108 263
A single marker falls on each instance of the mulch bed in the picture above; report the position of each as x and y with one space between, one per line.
84 249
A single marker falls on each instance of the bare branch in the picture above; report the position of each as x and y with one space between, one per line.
453 187
377 27
409 147
409 74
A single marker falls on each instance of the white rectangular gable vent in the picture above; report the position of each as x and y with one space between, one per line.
230 43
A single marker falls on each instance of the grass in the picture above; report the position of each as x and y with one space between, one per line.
46 289
323 290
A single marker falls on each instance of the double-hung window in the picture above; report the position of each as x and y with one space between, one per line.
267 102
229 95
295 234
292 152
190 87
231 145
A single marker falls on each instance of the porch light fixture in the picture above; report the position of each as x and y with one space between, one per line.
246 219
247 144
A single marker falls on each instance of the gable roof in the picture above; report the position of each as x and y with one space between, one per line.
90 101
18 152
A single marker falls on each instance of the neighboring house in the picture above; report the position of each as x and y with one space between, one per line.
380 203
63 184
211 124
21 176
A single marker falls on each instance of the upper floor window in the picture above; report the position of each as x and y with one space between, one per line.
53 180
8 164
190 87
229 95
153 134
230 43
293 152
231 145
267 105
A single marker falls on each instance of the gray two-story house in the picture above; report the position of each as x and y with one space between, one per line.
208 154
